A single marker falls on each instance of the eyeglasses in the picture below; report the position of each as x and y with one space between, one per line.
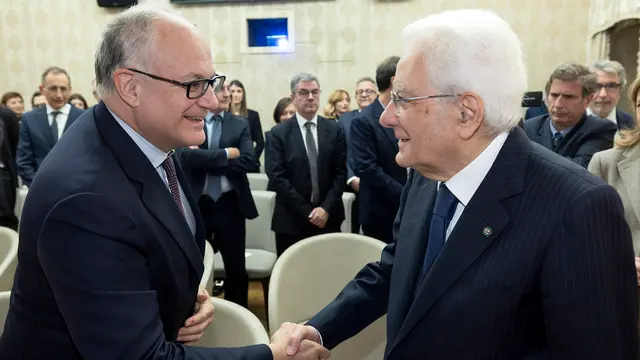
366 92
305 93
196 88
608 86
398 101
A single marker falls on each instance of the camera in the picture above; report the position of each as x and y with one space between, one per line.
532 99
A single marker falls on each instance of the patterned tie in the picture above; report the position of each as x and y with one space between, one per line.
54 125
312 153
557 138
442 213
172 179
214 183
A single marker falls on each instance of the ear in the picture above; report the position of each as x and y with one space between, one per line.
127 87
293 97
41 88
590 98
472 115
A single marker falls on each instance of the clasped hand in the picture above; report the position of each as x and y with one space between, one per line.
300 342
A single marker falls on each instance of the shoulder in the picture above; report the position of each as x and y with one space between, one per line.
608 157
75 112
33 114
252 114
284 126
237 119
534 122
593 122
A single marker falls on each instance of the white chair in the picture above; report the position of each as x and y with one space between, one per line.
233 326
207 275
8 257
258 181
5 299
311 273
347 202
260 253
21 195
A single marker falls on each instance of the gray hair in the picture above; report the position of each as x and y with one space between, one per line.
302 77
55 70
366 78
128 41
611 67
572 71
473 51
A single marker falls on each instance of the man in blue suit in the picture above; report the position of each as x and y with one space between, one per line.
111 242
612 79
41 128
503 249
374 150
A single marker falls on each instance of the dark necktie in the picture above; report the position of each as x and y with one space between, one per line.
557 138
214 182
54 125
172 179
443 211
312 154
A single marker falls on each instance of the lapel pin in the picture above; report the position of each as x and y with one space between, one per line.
487 231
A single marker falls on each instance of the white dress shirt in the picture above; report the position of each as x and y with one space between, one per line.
612 115
303 130
464 184
157 157
225 185
61 119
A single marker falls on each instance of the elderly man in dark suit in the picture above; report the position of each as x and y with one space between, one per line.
612 80
568 130
218 170
501 247
111 243
307 169
41 128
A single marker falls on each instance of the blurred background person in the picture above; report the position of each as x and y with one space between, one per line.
339 102
8 173
14 102
78 101
238 107
284 110
38 100
612 78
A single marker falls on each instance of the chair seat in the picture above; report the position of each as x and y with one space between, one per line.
259 264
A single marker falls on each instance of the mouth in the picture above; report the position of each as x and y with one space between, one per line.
195 119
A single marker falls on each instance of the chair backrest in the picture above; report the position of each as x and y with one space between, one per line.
21 195
258 181
233 326
259 234
5 300
311 273
8 257
347 201
207 275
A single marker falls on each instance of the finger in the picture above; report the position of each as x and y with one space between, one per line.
297 335
190 339
193 330
203 296
324 353
205 312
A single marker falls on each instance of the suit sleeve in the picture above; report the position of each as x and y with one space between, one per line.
346 126
601 139
204 159
279 180
256 135
364 299
247 160
338 162
588 281
99 276
25 158
365 161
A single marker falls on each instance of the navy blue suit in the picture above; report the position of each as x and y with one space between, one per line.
108 266
36 140
625 120
374 150
346 120
590 135
554 279
255 130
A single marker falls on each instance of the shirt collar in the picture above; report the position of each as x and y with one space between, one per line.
65 109
211 114
155 155
302 121
612 115
465 183
554 130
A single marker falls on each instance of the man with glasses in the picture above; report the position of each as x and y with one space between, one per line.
502 249
568 130
612 79
373 159
41 127
307 169
111 241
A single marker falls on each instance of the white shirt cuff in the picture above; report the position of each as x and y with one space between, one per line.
227 153
319 335
351 179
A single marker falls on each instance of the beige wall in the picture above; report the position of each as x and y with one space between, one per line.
338 40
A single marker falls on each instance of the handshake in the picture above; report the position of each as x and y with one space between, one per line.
299 342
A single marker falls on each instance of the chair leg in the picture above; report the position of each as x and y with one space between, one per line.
265 292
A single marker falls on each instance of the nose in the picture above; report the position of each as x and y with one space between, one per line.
388 118
602 92
208 100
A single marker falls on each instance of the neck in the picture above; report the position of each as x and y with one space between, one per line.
454 162
385 97
235 109
307 116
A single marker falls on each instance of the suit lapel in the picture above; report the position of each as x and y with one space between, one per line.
296 138
73 115
570 138
544 133
155 194
628 168
468 241
226 128
377 112
193 205
323 140
45 128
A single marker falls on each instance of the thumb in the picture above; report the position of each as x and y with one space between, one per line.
203 295
294 340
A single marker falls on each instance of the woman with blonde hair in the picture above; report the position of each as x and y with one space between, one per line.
339 101
620 168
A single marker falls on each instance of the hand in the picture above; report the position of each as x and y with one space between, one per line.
355 184
195 326
319 217
232 153
638 269
301 341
